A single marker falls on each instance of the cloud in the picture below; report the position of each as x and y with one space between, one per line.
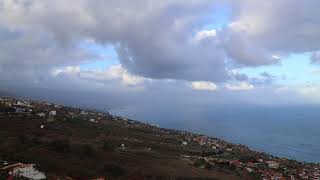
115 72
264 78
310 91
154 41
282 89
315 57
315 72
276 25
239 86
205 34
203 86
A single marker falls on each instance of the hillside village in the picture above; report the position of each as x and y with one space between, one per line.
31 131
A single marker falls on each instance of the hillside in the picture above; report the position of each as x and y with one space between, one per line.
71 143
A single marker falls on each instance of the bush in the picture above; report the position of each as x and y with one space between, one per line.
88 150
114 169
107 146
59 145
247 158
201 163
23 139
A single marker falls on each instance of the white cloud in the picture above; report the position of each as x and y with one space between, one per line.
66 70
205 34
281 89
116 72
276 57
239 86
203 86
315 57
310 90
310 93
127 78
315 72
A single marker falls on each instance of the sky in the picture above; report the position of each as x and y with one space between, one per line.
162 55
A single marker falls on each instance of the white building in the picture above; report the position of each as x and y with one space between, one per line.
272 164
42 115
52 113
20 103
28 171
20 110
57 106
184 143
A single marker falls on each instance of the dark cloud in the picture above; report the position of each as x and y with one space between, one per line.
287 26
315 58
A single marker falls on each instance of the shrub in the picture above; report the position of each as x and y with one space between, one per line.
114 169
201 163
59 145
107 146
88 150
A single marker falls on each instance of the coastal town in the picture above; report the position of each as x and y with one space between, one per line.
193 150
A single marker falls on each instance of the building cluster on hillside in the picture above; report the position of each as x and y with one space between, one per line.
269 167
221 152
48 111
21 170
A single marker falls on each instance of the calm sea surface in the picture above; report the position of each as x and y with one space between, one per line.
292 132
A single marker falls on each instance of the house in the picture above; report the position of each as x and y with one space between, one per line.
20 110
249 170
52 113
184 143
20 103
42 115
8 103
123 147
57 106
28 171
272 164
92 120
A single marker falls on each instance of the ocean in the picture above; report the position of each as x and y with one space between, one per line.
291 132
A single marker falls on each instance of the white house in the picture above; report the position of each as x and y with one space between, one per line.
20 110
272 164
20 103
42 115
57 106
28 171
184 143
92 120
52 113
